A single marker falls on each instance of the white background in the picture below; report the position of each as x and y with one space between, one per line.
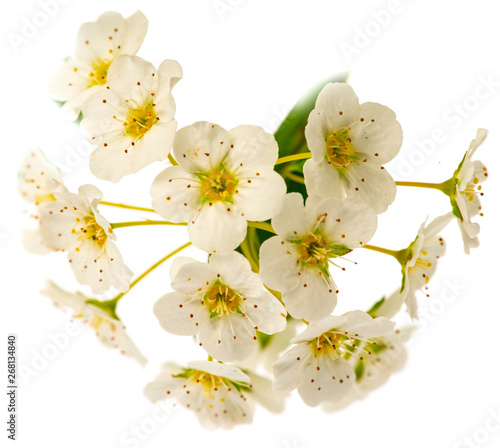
247 63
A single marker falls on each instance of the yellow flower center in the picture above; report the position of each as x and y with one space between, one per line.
339 150
99 74
222 300
218 186
329 343
209 382
314 250
140 120
91 230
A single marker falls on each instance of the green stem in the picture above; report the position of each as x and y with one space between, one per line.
247 252
117 225
131 207
262 226
150 269
294 177
397 254
293 157
447 187
172 160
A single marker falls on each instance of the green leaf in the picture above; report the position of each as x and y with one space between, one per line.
373 310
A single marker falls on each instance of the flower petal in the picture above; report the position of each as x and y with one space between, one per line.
290 369
278 264
313 298
178 313
175 194
292 222
371 184
328 380
379 136
201 146
323 179
218 228
228 338
253 149
260 196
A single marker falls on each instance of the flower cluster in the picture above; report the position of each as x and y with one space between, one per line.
274 216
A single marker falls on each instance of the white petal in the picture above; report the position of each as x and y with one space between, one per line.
316 131
174 312
124 75
252 150
176 196
340 103
266 313
33 241
178 263
228 338
323 179
218 228
348 222
312 299
391 305
263 394
383 136
192 278
201 146
331 382
291 222
316 329
371 184
278 264
290 369
222 370
260 196
62 298
38 177
235 271
363 324
100 268
481 135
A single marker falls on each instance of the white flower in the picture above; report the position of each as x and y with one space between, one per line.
418 262
224 302
318 366
97 45
388 356
72 223
38 178
109 330
223 180
132 119
218 393
467 189
349 144
296 261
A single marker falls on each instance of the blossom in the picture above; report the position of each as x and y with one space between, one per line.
223 179
223 302
132 119
296 261
467 189
218 393
388 356
72 223
37 179
97 45
418 262
319 364
349 143
110 331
